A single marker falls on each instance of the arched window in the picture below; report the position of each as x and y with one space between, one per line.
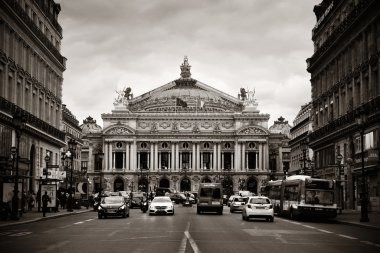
144 145
206 145
164 145
185 145
251 145
227 145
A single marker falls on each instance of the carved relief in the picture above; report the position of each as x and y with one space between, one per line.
185 125
143 124
227 124
119 131
253 131
164 125
206 125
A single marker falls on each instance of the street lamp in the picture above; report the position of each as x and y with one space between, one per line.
47 160
339 158
19 123
361 121
71 154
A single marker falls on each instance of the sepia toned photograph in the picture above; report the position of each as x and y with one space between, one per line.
202 126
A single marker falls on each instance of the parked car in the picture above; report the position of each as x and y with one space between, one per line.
113 206
161 205
258 207
238 203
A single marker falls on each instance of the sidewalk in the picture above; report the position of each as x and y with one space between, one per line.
34 216
352 217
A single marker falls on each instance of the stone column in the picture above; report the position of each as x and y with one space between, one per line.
110 157
243 167
156 164
197 159
260 156
194 162
127 156
214 164
176 156
172 164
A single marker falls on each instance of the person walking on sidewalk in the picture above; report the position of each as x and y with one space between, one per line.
45 200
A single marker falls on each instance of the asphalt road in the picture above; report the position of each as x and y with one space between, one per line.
185 232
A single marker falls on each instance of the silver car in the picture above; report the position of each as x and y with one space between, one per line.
161 205
237 203
258 207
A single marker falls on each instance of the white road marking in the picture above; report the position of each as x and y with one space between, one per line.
79 222
348 237
187 236
325 231
307 226
21 234
371 243
55 246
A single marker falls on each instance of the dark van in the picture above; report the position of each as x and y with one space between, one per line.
210 198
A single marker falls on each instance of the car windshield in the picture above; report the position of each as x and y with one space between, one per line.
161 200
112 200
259 201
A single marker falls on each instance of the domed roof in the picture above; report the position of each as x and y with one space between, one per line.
185 95
89 126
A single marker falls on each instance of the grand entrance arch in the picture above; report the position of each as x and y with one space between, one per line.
228 186
164 182
185 185
118 184
252 185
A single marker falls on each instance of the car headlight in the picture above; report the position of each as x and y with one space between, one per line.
122 207
100 207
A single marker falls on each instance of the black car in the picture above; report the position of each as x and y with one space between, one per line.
113 206
180 198
136 202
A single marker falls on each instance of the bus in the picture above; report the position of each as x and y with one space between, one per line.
303 196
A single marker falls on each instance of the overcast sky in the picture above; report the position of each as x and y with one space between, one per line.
255 44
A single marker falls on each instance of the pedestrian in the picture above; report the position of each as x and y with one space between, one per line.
45 200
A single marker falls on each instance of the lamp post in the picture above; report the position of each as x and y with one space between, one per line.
362 120
19 123
339 158
70 154
47 160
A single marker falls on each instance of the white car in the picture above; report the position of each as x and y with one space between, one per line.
237 204
161 205
258 207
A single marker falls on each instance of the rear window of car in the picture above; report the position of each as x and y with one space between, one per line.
112 200
240 199
162 200
211 192
259 201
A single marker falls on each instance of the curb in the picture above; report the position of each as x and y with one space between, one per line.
43 218
361 225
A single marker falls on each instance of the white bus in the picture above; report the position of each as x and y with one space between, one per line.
303 196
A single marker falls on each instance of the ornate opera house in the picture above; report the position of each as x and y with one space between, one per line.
178 135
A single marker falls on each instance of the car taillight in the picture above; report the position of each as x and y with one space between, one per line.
270 206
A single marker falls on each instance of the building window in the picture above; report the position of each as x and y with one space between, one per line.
84 165
144 160
185 145
119 145
227 160
206 145
185 160
251 160
144 145
118 159
206 161
251 145
164 160
164 145
227 145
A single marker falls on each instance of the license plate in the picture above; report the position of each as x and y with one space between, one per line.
215 203
260 207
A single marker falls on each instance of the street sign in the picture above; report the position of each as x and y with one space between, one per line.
52 166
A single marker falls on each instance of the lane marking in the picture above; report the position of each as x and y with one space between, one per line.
307 226
79 222
21 234
325 231
348 237
187 236
55 246
371 243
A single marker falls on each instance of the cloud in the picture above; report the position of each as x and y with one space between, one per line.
230 44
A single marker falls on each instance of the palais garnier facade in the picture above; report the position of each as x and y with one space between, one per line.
178 135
